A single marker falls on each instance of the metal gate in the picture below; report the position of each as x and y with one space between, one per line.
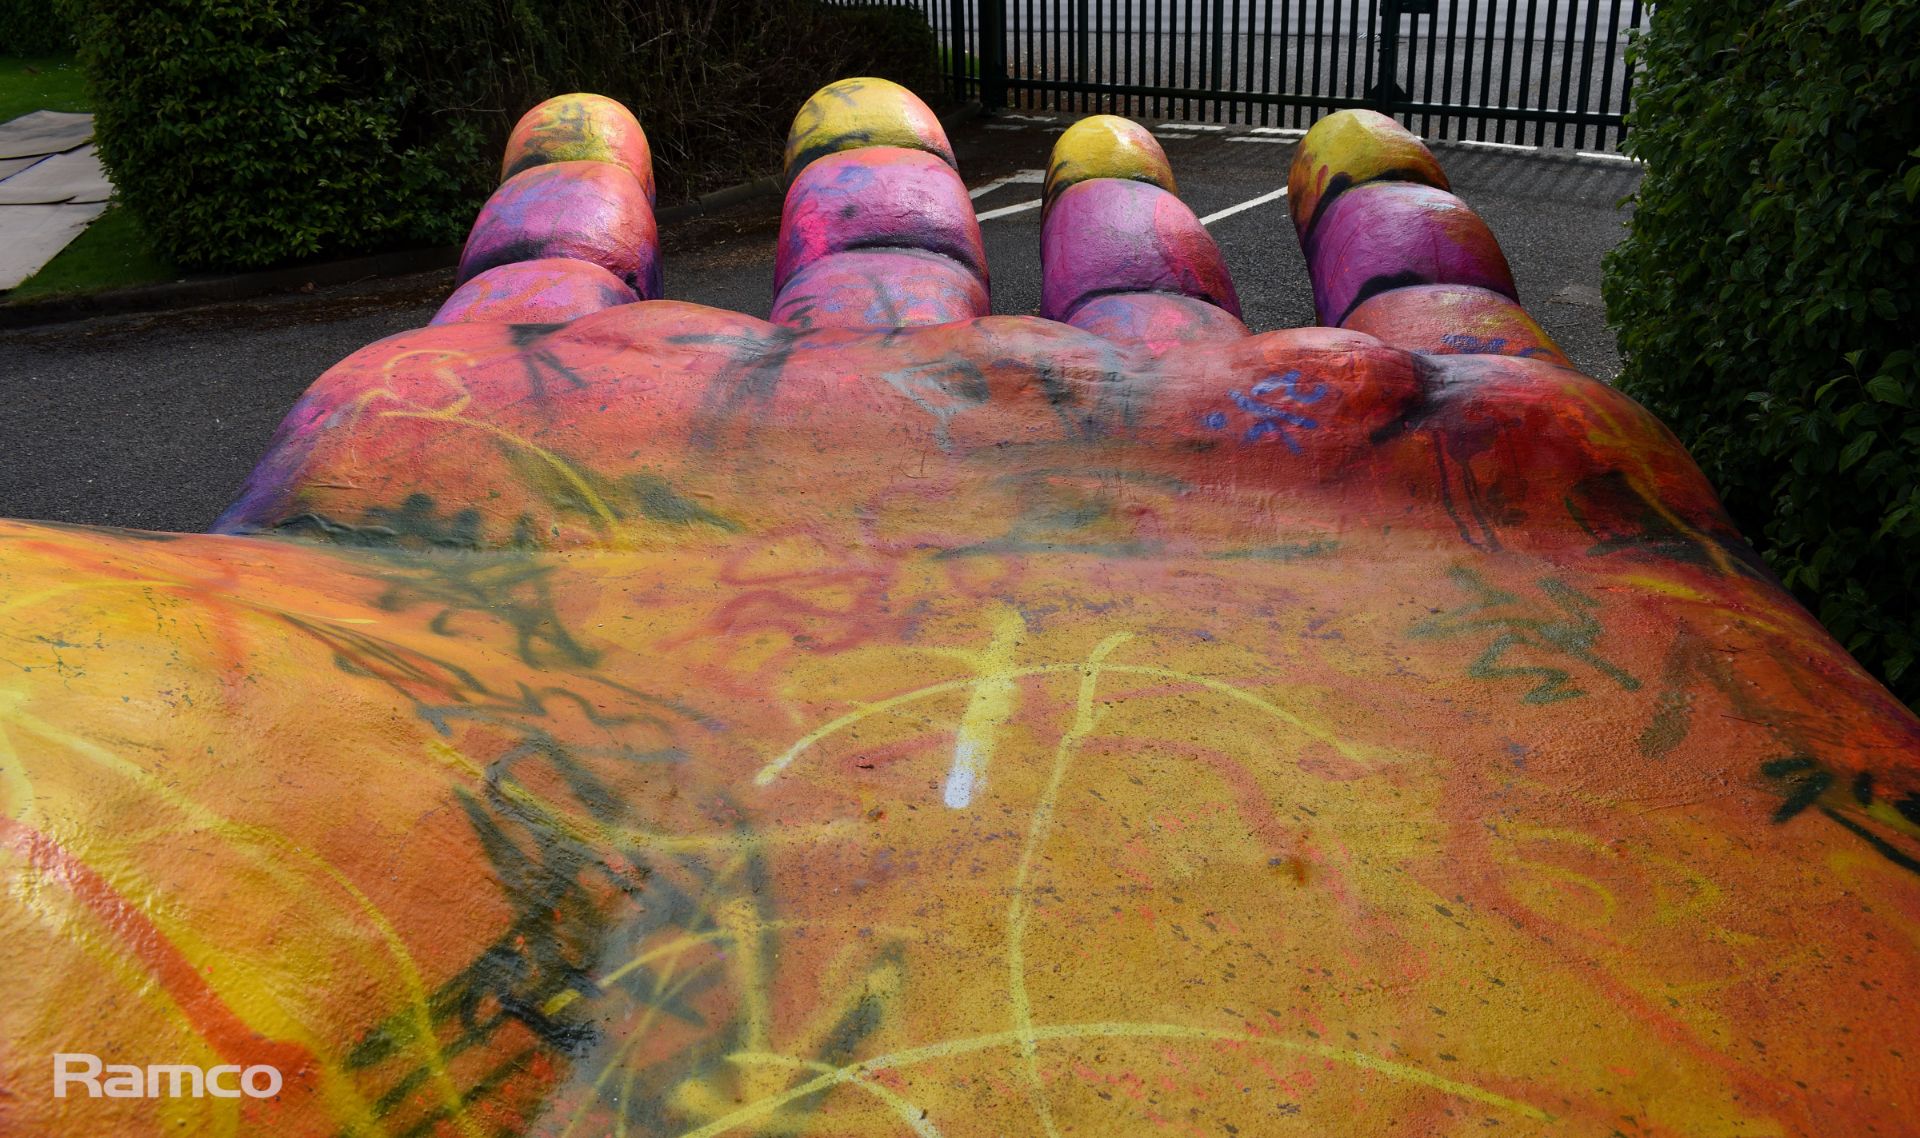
1526 72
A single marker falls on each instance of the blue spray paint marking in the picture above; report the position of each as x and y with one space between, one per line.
1474 345
1494 346
1269 419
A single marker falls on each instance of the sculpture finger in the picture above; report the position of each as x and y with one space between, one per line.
590 211
1120 255
877 230
551 290
1454 319
579 186
580 127
1393 254
1388 235
851 113
1350 148
1106 146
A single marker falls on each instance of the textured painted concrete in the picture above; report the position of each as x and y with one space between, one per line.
550 290
595 212
674 723
580 127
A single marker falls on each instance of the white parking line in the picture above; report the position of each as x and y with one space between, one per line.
1261 138
1607 156
1007 210
1263 199
1017 178
1171 134
1289 131
1484 145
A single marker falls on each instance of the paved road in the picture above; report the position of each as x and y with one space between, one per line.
153 422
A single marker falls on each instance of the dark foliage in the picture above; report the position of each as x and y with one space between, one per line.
33 27
1766 299
255 132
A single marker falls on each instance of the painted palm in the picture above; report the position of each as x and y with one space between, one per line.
602 715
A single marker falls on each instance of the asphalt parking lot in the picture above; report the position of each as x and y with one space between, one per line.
154 421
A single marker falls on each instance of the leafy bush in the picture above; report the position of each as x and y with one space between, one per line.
33 28
254 132
1765 296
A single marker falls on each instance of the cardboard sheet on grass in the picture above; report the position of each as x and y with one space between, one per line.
51 187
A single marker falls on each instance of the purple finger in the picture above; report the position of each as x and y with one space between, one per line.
1388 235
1113 236
552 290
589 211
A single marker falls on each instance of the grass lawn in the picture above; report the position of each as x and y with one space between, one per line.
50 84
114 251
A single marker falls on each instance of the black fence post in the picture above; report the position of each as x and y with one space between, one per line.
1081 66
1214 75
1083 47
1386 91
993 55
957 54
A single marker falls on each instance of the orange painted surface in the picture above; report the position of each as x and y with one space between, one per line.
669 723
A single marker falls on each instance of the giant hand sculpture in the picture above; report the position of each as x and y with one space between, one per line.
603 715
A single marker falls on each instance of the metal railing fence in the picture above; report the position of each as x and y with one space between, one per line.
1518 72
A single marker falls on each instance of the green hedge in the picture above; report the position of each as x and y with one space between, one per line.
33 28
246 133
1765 296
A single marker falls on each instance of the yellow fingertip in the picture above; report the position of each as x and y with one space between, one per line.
1107 146
859 112
1349 148
579 127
